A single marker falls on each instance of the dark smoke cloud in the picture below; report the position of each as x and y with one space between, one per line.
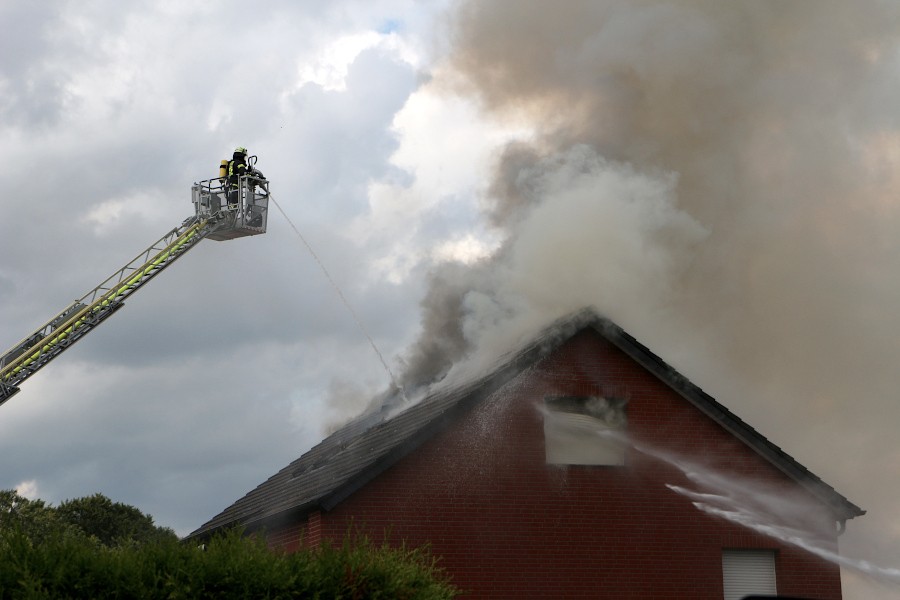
761 108
773 116
720 178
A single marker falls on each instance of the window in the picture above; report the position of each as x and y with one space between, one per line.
582 430
747 572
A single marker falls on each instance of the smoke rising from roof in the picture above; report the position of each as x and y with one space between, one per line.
767 121
607 226
718 177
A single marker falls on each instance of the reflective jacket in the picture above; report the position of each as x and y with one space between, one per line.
237 167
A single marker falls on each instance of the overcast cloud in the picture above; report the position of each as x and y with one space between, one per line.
721 180
221 370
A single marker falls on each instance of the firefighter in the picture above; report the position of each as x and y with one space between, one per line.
237 168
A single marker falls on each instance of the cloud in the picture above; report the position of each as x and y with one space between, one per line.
28 489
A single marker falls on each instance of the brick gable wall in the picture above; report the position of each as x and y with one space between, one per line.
507 525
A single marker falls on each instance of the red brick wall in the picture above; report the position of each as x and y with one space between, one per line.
507 525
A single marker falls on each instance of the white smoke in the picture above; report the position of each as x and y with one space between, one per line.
591 233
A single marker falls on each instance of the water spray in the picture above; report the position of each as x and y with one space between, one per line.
340 294
731 509
751 506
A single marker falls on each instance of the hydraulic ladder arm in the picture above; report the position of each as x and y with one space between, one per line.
213 219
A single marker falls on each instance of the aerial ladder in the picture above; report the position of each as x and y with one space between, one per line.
221 212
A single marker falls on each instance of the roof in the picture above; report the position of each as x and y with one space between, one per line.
357 453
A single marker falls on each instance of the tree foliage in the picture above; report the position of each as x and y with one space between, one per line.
34 518
111 523
96 517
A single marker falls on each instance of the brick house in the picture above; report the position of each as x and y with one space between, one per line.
549 477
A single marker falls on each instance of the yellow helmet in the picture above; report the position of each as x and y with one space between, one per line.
240 150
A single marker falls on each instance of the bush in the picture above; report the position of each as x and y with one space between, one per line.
229 566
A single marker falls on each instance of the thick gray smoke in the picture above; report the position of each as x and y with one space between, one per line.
720 178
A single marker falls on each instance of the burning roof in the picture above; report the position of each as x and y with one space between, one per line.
357 453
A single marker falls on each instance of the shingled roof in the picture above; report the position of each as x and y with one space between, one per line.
357 453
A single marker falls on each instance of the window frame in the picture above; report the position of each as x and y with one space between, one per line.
572 426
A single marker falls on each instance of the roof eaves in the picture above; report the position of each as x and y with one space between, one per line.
469 394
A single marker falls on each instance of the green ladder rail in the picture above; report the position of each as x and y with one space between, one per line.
79 318
222 212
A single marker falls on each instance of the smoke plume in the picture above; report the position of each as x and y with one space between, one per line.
720 178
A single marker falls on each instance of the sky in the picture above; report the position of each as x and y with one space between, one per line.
721 180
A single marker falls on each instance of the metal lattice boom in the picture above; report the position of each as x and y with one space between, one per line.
246 215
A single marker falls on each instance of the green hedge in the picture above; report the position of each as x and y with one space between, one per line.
229 566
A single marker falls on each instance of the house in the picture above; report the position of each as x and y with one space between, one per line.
560 474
